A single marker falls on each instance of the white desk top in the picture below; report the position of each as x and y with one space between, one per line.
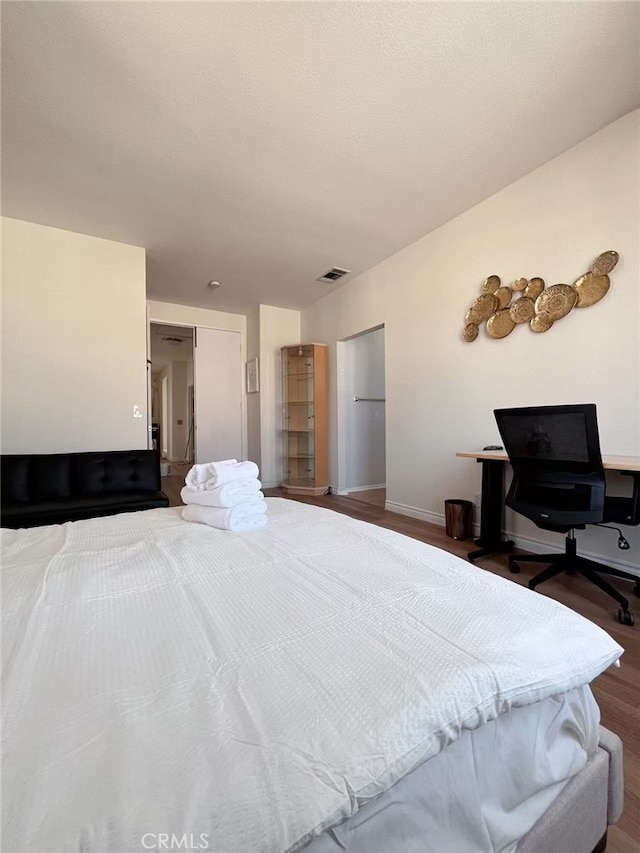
610 463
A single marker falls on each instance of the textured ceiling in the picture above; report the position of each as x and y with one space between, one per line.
262 143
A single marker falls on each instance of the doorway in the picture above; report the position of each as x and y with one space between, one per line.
362 415
171 356
196 396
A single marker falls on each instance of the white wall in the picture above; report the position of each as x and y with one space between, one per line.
278 327
73 341
363 364
187 315
441 391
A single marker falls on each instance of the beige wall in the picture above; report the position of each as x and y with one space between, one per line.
73 341
187 315
441 391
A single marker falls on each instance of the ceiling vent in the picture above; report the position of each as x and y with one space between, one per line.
333 275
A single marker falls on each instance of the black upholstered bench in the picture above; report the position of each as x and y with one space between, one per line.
39 489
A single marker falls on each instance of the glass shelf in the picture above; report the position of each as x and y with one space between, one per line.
300 481
303 372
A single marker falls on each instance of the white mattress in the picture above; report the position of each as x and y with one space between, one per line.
483 792
162 676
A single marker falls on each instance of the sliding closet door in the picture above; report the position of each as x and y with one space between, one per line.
218 395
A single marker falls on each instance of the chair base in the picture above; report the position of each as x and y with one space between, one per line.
572 564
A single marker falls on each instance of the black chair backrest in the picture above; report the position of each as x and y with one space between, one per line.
559 480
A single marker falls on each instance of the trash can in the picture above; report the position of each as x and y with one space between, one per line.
457 516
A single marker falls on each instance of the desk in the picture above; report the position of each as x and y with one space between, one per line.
493 462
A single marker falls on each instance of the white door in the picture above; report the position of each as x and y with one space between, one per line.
164 425
218 395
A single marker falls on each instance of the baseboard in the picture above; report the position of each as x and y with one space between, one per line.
362 488
535 546
276 484
415 512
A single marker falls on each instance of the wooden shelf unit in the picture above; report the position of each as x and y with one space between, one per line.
305 419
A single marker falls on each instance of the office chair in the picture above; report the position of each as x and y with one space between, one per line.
559 483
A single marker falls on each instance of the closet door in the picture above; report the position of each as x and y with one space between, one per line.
218 377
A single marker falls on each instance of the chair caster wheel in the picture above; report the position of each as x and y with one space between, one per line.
514 568
625 617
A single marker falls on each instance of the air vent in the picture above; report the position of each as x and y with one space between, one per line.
333 275
173 342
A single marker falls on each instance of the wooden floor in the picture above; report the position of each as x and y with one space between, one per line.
376 497
617 690
173 482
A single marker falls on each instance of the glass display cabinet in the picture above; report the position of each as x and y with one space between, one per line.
305 419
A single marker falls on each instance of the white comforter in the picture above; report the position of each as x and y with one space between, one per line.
248 690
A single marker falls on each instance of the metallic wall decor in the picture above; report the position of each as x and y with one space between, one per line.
522 310
500 324
482 308
471 332
556 302
535 304
540 323
504 295
591 288
534 288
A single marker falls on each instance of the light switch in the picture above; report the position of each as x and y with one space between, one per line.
136 412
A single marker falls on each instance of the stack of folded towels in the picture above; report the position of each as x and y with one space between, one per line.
225 495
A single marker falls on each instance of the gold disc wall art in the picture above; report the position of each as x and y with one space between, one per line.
471 332
529 301
591 288
500 324
491 284
605 263
534 288
482 308
504 295
555 302
540 323
522 310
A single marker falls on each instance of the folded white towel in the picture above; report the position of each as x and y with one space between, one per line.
247 516
212 474
231 494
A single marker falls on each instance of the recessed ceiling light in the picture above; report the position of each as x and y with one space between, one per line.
214 285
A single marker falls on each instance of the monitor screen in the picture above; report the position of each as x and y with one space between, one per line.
558 436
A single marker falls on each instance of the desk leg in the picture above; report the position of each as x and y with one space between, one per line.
490 539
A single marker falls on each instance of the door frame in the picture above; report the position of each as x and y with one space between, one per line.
243 350
343 406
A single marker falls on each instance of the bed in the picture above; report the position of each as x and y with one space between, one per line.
321 684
